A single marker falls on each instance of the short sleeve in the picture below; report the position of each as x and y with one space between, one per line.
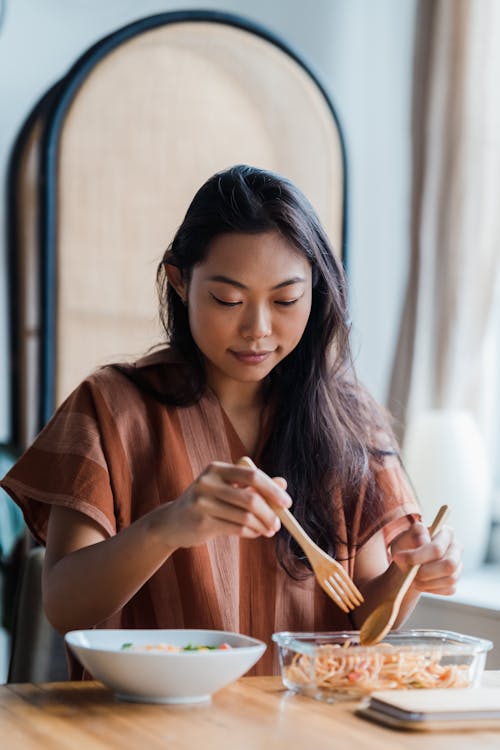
67 465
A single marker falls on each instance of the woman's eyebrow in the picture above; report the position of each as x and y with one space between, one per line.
289 282
233 282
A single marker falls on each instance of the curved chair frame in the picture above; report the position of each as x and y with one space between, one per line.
50 112
23 314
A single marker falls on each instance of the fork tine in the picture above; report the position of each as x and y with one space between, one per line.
347 597
356 592
342 593
350 588
335 594
348 583
334 585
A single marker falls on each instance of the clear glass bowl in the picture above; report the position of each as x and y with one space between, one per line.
331 666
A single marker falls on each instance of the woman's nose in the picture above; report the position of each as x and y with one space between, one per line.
256 323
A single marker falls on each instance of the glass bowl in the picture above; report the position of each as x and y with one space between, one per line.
332 666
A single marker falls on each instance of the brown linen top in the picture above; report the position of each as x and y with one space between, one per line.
114 452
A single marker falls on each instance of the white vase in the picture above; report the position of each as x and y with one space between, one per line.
445 458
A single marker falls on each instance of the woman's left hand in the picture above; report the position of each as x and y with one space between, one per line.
439 558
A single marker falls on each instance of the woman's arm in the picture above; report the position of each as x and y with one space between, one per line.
88 577
439 559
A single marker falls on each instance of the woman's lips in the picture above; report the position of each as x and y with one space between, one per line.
250 357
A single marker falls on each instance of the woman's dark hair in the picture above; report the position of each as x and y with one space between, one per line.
322 421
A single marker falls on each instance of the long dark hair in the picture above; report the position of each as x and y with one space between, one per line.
322 421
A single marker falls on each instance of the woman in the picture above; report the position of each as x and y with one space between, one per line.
134 484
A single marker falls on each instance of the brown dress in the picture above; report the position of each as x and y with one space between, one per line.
114 452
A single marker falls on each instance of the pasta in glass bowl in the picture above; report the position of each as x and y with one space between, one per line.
332 666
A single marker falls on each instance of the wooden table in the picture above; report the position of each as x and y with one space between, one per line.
255 712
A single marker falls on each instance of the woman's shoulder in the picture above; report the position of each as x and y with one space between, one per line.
161 373
164 356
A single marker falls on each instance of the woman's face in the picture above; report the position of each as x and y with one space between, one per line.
248 303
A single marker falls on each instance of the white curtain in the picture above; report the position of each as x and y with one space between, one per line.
446 349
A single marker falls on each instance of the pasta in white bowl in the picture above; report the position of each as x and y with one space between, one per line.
165 666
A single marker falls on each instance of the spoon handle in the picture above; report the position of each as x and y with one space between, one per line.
438 522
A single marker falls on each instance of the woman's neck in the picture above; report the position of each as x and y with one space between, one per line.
237 397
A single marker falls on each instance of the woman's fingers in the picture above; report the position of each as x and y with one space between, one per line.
443 564
281 482
239 516
445 585
411 539
242 496
246 476
245 500
441 575
439 560
429 550
210 526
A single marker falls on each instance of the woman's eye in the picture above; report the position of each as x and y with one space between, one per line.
287 302
224 302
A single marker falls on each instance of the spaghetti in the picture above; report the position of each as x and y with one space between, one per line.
336 668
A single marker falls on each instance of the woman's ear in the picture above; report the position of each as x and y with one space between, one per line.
174 276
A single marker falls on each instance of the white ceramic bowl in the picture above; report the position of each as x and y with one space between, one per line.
161 676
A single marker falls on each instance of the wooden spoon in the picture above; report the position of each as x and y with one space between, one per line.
381 620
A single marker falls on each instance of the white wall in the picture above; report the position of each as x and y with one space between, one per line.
362 51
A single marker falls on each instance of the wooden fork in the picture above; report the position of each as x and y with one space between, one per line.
330 575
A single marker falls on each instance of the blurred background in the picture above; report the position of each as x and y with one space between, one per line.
414 86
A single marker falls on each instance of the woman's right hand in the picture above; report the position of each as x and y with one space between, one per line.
89 576
225 499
